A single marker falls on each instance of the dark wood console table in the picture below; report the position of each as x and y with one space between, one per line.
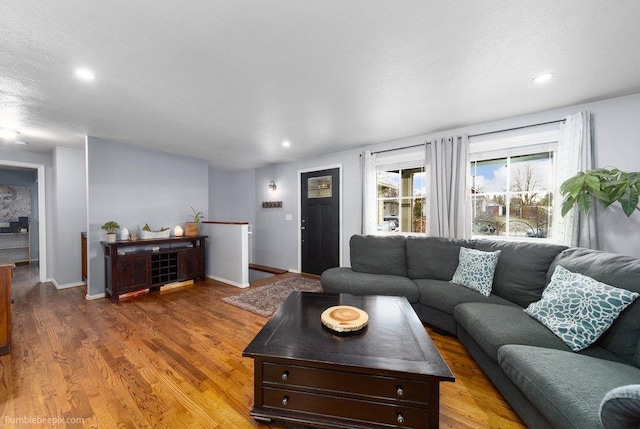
132 266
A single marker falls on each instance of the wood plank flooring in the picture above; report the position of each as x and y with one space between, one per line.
166 360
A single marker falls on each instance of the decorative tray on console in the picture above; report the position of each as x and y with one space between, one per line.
344 318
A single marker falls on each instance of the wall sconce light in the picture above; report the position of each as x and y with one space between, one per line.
272 186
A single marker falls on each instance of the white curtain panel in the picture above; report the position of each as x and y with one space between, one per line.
448 200
575 153
369 195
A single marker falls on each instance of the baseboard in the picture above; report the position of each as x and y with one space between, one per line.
96 296
232 283
266 269
68 285
65 286
291 270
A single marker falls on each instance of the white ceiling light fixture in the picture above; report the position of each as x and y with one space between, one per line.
8 134
286 143
543 78
20 142
85 74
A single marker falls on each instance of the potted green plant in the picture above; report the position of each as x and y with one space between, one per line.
110 228
192 227
605 186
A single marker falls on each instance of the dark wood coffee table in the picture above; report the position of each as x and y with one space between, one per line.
387 375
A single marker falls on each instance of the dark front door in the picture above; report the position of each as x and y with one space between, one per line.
320 220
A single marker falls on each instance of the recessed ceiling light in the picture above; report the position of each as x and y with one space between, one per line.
20 142
8 134
286 143
85 74
546 77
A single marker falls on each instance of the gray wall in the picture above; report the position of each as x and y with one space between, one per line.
232 196
219 207
276 240
69 215
134 186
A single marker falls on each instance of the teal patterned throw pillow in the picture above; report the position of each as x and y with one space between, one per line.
475 269
579 309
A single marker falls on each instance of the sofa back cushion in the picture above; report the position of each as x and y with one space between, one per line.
378 254
618 271
434 258
521 273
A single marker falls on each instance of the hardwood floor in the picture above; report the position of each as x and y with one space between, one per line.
168 360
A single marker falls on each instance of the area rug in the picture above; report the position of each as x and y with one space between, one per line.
265 300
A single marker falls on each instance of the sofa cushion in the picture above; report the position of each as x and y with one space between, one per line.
619 271
345 280
378 254
521 273
445 296
434 257
620 408
567 388
475 269
579 309
494 325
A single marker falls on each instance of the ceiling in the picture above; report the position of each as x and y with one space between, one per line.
228 81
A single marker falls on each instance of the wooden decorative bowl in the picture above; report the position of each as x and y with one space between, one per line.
344 318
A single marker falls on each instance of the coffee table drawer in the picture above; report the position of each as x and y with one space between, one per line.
347 408
340 381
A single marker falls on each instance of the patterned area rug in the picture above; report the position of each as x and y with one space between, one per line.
265 300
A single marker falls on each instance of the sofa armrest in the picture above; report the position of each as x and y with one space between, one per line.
620 408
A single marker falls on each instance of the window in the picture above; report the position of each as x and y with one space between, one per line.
512 187
401 200
400 191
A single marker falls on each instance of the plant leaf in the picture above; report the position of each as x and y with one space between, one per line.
567 205
584 203
629 201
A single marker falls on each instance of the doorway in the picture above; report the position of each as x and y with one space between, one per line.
320 220
37 222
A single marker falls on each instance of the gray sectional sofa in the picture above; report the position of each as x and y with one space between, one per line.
547 383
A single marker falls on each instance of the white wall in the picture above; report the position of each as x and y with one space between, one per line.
134 186
616 138
69 215
227 252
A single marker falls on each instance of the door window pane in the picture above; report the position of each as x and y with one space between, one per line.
319 187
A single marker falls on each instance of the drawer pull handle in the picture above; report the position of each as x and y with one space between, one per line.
400 418
400 392
285 401
285 375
